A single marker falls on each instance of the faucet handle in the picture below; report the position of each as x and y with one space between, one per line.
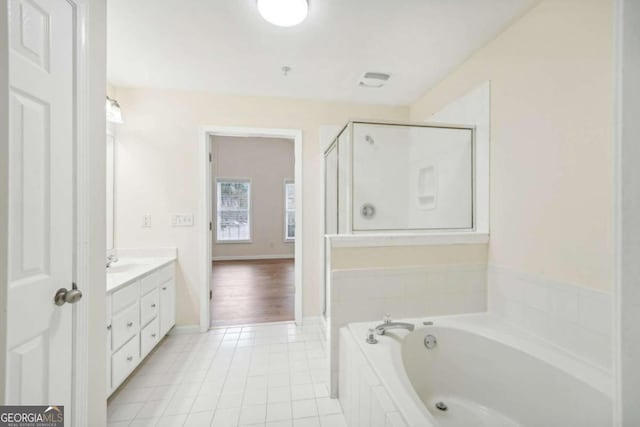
387 318
371 338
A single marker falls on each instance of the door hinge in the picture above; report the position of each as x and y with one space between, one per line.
210 226
210 294
210 157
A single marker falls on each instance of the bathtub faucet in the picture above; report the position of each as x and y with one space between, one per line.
388 324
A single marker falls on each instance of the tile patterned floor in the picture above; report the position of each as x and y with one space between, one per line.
262 375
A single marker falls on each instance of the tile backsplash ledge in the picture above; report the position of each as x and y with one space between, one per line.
576 318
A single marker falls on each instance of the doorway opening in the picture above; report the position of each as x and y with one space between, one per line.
252 239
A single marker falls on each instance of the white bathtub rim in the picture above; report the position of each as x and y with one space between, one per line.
394 378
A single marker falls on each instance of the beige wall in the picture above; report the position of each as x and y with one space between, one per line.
268 163
158 171
551 139
407 256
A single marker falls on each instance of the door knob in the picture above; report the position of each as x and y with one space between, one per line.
70 296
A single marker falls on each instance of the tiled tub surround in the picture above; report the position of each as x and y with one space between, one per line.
264 375
575 318
367 294
488 372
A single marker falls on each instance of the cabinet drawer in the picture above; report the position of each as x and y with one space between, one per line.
108 359
124 361
125 325
108 311
149 337
149 282
167 306
125 297
149 306
166 273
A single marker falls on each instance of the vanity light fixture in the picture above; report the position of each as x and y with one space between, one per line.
283 13
114 114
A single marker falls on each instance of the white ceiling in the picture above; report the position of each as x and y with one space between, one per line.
225 46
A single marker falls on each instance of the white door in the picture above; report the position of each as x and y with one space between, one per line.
41 201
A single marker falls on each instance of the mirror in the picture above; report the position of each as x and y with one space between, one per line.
111 187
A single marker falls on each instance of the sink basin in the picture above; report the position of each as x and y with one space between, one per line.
123 267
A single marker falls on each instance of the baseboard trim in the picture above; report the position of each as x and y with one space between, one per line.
184 329
251 257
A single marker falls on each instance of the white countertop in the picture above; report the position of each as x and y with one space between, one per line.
131 268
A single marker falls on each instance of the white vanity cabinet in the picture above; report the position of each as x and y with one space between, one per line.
139 314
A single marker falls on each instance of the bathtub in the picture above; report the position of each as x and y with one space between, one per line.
481 372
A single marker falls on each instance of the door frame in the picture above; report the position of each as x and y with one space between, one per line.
84 243
206 209
626 236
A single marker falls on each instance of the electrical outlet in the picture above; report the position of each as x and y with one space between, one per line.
146 221
182 220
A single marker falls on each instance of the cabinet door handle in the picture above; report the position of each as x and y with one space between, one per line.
130 324
153 306
108 327
164 288
153 335
129 358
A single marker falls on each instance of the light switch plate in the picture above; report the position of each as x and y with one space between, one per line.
146 220
182 220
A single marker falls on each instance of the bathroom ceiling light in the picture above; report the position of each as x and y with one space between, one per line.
114 114
283 13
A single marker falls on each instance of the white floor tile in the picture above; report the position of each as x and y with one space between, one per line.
152 409
307 422
279 380
279 411
234 385
172 420
179 405
132 395
124 412
304 408
253 415
188 389
199 419
321 390
205 402
287 423
163 392
257 381
327 406
144 422
230 400
254 397
304 391
279 394
210 387
268 376
226 417
336 420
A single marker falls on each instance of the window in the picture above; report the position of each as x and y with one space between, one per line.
234 210
289 210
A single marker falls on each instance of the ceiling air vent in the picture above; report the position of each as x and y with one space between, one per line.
373 79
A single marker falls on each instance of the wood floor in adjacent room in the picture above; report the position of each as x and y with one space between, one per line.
253 291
